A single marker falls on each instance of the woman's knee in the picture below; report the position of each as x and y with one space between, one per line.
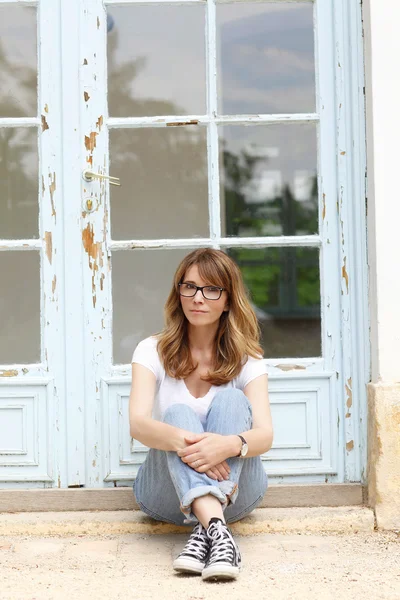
231 397
178 413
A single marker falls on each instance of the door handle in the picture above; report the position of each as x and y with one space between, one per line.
89 176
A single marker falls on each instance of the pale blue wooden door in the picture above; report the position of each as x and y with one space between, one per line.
236 125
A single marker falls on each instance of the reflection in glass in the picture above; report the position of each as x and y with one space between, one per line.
268 180
266 57
284 286
164 191
156 60
18 62
18 183
20 307
141 282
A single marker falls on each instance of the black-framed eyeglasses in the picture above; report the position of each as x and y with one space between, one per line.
210 292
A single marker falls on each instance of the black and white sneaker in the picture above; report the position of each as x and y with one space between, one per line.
193 557
224 560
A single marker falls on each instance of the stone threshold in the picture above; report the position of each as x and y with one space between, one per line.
326 519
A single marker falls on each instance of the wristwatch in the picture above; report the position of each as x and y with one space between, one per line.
244 450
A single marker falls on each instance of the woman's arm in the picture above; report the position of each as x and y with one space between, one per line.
143 427
259 438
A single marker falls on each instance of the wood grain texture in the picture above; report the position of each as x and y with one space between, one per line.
122 498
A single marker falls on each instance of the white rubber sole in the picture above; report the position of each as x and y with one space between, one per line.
187 565
220 571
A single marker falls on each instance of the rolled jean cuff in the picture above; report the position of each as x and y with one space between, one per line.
198 492
230 489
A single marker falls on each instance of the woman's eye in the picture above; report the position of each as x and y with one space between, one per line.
189 286
213 289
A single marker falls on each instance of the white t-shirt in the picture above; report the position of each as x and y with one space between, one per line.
170 391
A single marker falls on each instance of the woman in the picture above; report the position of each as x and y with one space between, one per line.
199 401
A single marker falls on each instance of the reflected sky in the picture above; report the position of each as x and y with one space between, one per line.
265 57
18 62
166 44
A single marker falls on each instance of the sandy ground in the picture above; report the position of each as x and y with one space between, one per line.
275 566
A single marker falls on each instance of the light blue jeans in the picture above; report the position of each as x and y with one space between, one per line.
165 486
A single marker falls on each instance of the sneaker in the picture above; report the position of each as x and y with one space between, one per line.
224 560
193 557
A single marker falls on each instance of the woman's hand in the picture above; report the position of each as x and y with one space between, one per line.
205 451
219 472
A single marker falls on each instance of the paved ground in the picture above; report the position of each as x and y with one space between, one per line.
138 567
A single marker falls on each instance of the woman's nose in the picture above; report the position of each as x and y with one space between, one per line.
198 295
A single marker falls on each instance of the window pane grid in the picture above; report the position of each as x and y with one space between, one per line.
211 120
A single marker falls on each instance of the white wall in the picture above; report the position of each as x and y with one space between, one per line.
382 53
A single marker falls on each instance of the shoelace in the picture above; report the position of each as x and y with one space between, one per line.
223 545
198 542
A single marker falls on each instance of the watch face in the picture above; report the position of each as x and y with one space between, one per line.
245 450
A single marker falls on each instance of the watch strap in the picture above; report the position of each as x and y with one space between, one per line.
243 442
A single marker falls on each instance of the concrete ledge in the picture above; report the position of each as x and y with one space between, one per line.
122 498
263 520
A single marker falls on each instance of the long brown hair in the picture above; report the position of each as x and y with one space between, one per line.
238 334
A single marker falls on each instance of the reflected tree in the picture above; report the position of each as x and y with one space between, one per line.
18 153
162 169
282 281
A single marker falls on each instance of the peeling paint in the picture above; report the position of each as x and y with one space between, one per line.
49 245
45 125
350 445
9 373
86 96
54 284
349 393
25 370
284 367
91 247
46 109
342 153
324 206
94 301
98 27
181 123
90 141
43 186
99 122
345 274
85 62
52 189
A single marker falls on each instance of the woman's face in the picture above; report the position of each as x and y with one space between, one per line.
198 310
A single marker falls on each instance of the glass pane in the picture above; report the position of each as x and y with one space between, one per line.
18 183
268 180
284 286
156 60
141 282
19 307
164 191
266 57
18 62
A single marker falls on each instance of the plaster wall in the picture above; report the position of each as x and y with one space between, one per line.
382 49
